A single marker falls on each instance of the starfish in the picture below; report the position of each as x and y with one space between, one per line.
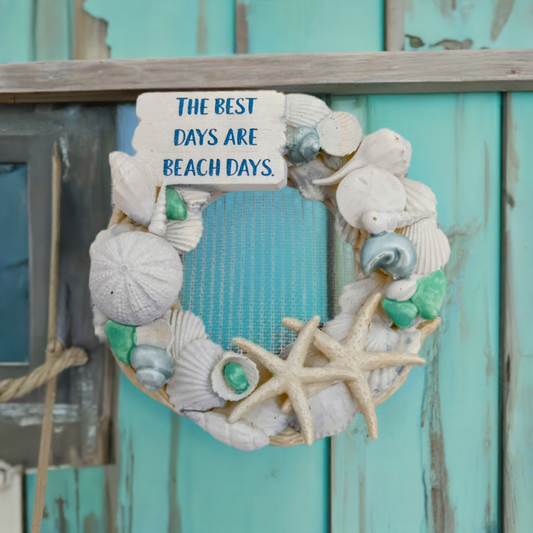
289 377
350 354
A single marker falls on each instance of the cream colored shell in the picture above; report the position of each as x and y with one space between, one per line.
340 133
305 110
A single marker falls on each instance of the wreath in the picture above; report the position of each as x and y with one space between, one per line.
250 397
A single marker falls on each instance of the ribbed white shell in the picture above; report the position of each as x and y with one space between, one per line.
305 110
432 246
381 338
158 333
185 235
193 198
135 278
134 188
240 435
218 381
419 196
347 233
190 385
268 417
339 133
186 328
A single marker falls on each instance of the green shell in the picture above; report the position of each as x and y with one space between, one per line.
121 338
176 209
235 377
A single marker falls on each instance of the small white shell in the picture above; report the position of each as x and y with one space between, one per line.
219 384
186 328
431 244
240 435
158 333
401 289
135 278
339 133
185 235
268 417
195 200
378 221
134 187
384 149
190 385
419 196
305 110
369 189
381 338
158 222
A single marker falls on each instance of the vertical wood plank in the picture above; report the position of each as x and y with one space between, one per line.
434 467
16 31
89 40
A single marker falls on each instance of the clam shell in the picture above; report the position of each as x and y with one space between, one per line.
158 333
154 366
369 189
190 385
186 328
240 435
419 196
305 110
195 200
135 278
340 133
268 417
431 244
134 187
185 235
219 384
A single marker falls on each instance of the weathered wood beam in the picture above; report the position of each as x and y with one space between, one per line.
349 73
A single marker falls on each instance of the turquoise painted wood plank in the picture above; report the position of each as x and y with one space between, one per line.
16 38
75 501
518 337
14 264
468 24
53 29
434 467
168 29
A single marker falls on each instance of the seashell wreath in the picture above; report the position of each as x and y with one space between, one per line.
356 361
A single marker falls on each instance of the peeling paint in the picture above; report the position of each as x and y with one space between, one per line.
241 28
452 44
447 7
174 515
201 32
61 522
502 11
414 41
90 524
486 186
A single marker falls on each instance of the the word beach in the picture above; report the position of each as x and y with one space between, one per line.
227 140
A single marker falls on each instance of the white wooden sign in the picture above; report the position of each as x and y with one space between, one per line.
229 141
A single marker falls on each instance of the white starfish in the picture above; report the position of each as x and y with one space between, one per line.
350 354
289 377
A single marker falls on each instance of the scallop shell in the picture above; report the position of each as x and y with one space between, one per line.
431 244
134 187
135 278
154 366
158 333
194 199
384 149
419 196
340 133
218 381
190 386
381 338
369 189
185 235
186 328
305 110
240 435
268 417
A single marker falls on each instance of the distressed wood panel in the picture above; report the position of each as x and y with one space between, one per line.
435 465
465 24
16 36
350 73
517 367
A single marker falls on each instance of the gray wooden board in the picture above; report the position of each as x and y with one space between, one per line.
338 73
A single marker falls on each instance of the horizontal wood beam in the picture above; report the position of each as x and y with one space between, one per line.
350 73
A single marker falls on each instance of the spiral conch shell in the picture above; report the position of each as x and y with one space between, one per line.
134 187
135 277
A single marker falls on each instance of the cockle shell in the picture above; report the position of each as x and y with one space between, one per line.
186 328
384 149
340 133
303 175
305 110
185 235
190 385
135 278
419 196
218 381
154 366
158 333
431 244
369 189
134 187
241 435
268 417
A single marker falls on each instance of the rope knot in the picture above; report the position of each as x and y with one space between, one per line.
54 349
